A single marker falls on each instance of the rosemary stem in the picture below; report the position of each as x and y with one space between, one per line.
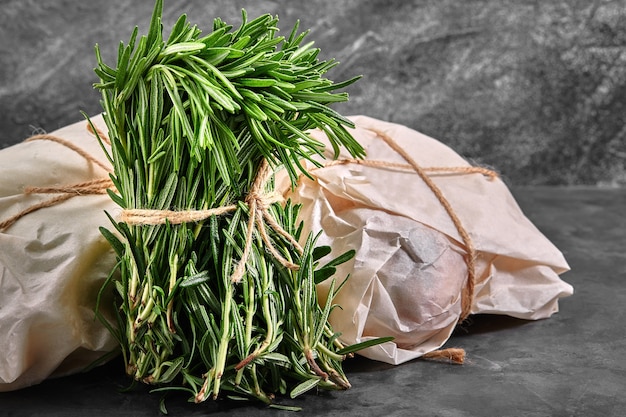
172 285
258 392
224 340
134 283
322 348
150 186
250 312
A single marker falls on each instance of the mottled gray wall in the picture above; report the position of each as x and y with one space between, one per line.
536 89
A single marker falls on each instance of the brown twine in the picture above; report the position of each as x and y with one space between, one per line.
159 217
258 211
71 146
452 355
97 186
395 165
5 224
91 128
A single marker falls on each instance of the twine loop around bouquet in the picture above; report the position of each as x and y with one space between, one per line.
257 200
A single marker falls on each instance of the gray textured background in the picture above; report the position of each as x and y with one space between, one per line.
535 89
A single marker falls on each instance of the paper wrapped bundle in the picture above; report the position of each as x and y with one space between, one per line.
53 260
435 240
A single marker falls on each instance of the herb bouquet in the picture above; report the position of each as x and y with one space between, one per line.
215 292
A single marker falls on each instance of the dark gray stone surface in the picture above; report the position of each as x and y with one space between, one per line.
571 364
536 89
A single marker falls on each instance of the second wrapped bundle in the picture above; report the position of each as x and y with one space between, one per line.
435 240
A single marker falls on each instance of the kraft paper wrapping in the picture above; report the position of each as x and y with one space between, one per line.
409 269
52 262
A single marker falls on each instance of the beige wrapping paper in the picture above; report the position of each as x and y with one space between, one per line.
52 261
406 278
409 269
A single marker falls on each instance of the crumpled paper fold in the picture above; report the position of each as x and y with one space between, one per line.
53 261
410 268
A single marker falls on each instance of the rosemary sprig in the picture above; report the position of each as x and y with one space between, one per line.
192 119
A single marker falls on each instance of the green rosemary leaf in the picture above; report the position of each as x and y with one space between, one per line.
303 387
323 317
207 297
339 85
254 111
295 131
117 246
316 85
116 198
179 108
332 118
207 346
196 279
250 95
223 99
271 114
256 82
282 75
322 274
155 30
162 406
320 251
183 48
243 62
315 97
217 55
241 42
167 193
278 358
180 27
217 39
120 76
240 72
285 407
223 80
363 345
106 77
344 257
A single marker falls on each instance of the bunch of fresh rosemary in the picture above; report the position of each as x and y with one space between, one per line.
223 300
